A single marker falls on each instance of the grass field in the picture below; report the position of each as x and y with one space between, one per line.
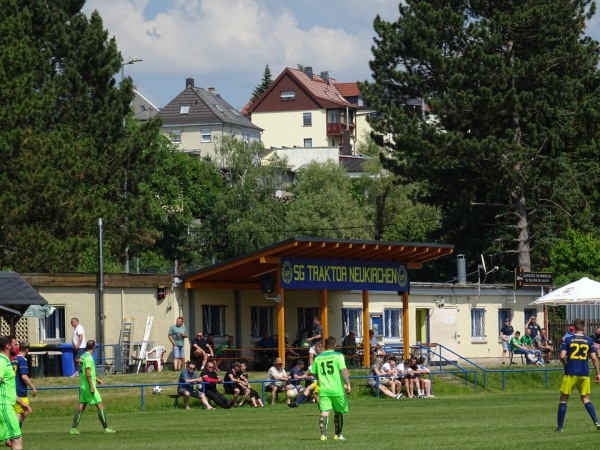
458 418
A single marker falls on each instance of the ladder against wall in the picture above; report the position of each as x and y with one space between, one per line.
144 348
125 350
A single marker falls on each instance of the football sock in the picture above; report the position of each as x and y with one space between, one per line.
76 418
591 411
338 421
102 418
323 425
301 399
562 412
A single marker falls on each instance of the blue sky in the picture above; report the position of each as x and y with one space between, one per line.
226 44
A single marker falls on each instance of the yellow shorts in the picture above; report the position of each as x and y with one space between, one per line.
19 408
570 382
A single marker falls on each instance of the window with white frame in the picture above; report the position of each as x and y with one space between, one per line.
307 119
392 326
306 317
308 142
478 325
261 318
288 96
185 109
352 320
205 135
52 328
213 320
175 136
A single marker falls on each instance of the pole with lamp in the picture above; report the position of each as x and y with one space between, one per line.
131 61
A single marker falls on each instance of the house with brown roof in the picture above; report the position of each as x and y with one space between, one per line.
303 109
197 118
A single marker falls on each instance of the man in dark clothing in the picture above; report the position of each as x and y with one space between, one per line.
506 333
210 380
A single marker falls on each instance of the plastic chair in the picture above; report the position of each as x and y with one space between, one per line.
156 360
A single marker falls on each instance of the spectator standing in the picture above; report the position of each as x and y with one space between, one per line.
570 331
574 355
597 341
533 327
506 333
88 392
10 431
188 386
278 379
210 380
315 338
78 343
177 335
21 369
334 385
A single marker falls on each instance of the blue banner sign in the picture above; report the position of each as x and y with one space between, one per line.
302 273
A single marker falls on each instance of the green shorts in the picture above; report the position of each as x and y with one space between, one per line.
86 396
9 424
339 404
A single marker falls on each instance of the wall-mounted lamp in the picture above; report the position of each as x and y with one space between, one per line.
439 301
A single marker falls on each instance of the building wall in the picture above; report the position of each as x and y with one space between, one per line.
298 157
286 129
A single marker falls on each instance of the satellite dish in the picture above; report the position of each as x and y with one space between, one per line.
483 264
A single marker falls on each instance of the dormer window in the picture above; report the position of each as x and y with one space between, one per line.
185 109
288 96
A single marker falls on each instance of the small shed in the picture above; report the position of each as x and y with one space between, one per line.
16 295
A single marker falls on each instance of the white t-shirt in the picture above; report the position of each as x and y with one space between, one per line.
273 372
78 331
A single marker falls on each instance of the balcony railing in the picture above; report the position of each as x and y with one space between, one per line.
336 129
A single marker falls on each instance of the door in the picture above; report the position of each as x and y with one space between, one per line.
444 329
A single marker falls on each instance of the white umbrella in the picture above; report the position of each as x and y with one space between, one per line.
583 292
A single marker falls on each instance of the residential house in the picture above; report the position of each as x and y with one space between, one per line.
197 118
143 109
303 109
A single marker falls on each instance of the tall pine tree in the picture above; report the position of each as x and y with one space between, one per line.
263 86
66 157
507 147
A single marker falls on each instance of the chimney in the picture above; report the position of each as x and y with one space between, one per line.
461 269
211 89
308 71
325 76
189 82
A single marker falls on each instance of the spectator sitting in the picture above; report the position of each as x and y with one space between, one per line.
527 340
279 378
404 377
542 344
289 349
389 368
188 388
417 379
243 379
520 349
376 349
209 348
296 375
349 344
269 345
210 380
232 385
378 378
425 379
197 352
226 349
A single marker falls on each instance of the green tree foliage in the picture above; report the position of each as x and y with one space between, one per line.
66 157
263 86
323 205
389 204
246 214
509 153
575 256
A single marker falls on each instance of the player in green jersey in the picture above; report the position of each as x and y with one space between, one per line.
334 384
88 393
10 431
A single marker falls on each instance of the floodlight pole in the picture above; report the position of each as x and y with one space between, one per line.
100 289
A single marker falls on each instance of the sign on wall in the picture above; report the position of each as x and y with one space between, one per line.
303 273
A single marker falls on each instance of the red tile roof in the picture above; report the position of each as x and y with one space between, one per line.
321 88
348 89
